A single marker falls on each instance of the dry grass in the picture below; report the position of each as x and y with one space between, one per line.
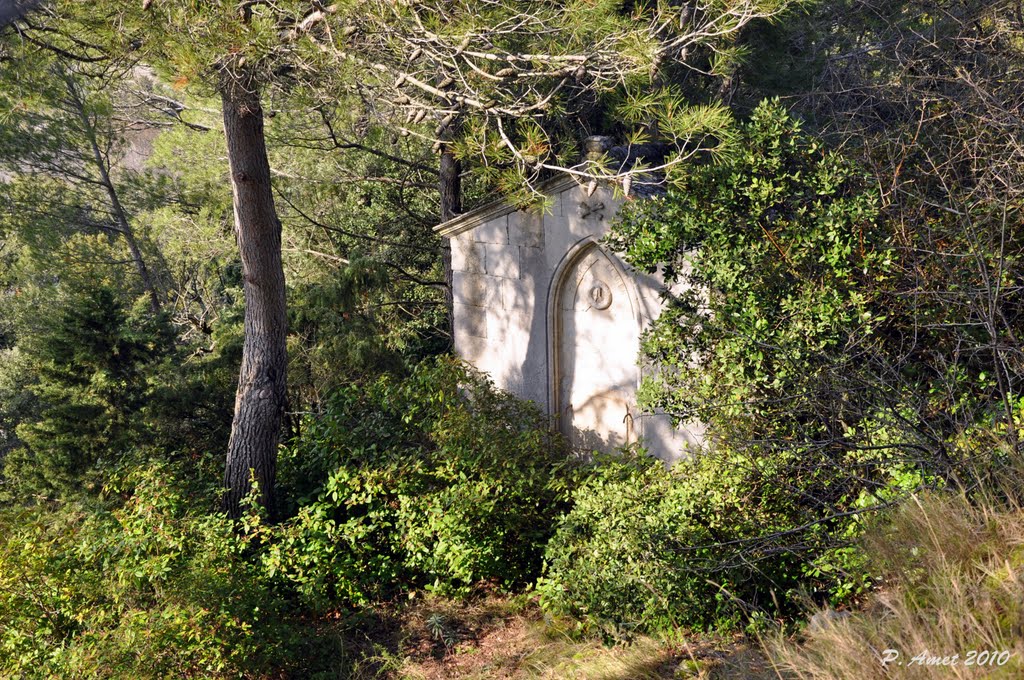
955 583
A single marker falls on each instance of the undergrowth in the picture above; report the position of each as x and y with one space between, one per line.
950 602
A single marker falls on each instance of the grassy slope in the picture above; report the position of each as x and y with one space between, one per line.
955 583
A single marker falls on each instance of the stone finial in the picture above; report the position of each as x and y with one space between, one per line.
596 146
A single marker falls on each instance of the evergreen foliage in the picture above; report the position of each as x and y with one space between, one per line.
436 481
103 382
150 587
512 88
91 382
773 249
648 549
781 253
844 315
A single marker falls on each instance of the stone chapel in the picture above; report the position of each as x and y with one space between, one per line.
555 318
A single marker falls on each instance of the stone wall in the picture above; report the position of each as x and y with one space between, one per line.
505 263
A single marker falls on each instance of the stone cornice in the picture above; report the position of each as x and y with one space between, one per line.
489 211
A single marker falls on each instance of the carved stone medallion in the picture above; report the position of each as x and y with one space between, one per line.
600 295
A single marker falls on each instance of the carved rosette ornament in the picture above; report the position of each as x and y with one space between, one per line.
600 295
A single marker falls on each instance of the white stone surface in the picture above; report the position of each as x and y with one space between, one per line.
475 290
669 443
494 231
556 319
471 348
526 228
502 260
518 295
468 255
533 266
472 321
596 346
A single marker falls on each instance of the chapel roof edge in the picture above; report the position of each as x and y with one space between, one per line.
474 218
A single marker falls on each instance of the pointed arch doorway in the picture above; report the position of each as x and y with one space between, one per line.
594 342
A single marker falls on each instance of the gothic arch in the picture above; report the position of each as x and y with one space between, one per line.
593 315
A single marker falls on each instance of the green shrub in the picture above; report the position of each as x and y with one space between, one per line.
146 589
721 540
91 355
777 339
94 380
437 480
780 252
637 551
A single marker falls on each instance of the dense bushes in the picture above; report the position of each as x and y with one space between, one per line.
89 357
778 248
614 561
717 541
433 481
784 257
94 380
150 586
842 364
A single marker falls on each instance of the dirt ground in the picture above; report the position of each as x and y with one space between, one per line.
494 637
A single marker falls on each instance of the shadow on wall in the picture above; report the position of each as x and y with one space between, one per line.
529 313
602 408
594 345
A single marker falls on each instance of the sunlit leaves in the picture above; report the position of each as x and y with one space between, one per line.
771 244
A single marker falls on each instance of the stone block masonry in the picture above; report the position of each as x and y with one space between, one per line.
520 284
494 231
476 290
526 229
468 255
502 261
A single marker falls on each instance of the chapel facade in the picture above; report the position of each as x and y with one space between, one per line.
553 317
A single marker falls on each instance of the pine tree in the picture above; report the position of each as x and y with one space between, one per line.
227 48
514 87
92 353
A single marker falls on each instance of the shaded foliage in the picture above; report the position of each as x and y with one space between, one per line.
151 586
435 480
771 249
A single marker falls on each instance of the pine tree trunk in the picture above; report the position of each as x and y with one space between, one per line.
451 205
259 402
451 185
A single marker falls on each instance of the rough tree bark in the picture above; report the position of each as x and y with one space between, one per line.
450 185
260 400
12 10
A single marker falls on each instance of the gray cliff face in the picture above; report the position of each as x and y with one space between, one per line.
12 10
